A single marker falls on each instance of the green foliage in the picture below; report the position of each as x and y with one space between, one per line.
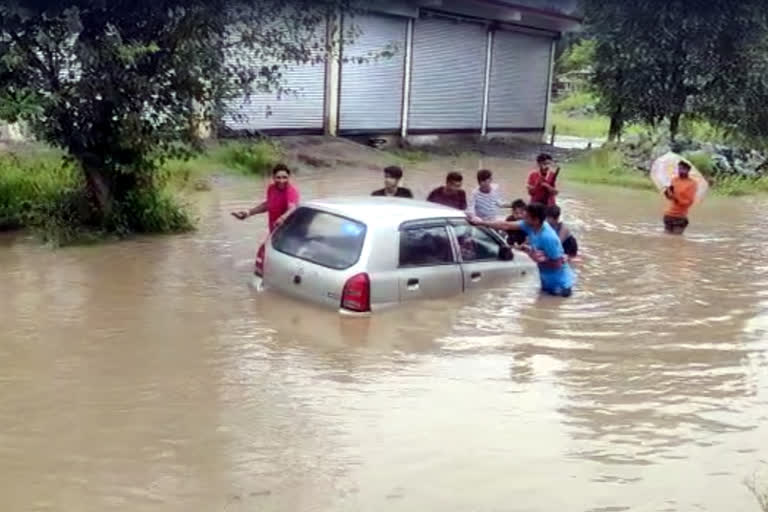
41 190
702 161
29 180
411 155
739 186
122 87
605 166
590 127
577 57
576 102
653 59
257 158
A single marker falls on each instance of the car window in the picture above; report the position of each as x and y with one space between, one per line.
476 244
320 237
421 246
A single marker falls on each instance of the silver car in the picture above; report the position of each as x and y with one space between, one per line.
359 255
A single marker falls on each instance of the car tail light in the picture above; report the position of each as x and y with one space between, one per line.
259 263
357 294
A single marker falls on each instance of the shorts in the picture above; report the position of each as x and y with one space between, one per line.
558 292
571 246
675 223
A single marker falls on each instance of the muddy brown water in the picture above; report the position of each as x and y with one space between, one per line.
148 375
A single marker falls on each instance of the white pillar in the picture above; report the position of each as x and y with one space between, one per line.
548 111
332 74
487 87
407 78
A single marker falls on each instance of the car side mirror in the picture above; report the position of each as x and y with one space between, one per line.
506 254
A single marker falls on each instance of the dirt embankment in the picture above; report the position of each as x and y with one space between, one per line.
318 152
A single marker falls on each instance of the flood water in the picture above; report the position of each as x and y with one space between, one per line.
149 376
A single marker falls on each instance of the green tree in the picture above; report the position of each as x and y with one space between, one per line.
577 57
122 85
654 59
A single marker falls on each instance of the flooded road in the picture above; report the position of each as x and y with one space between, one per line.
148 376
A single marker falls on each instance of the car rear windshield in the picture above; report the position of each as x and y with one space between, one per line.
321 237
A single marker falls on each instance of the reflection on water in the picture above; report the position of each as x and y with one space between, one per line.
147 375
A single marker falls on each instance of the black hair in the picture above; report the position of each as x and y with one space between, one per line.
554 212
537 210
484 174
684 165
543 157
518 203
393 171
454 177
280 167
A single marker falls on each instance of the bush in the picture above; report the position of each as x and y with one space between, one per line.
30 180
702 161
41 191
257 158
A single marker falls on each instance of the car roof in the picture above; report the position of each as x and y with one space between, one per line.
384 210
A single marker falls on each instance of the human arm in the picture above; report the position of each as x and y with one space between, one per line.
501 225
256 210
549 254
470 209
564 233
462 200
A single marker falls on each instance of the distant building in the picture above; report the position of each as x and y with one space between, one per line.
472 66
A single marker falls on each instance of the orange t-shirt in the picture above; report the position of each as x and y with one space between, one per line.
684 194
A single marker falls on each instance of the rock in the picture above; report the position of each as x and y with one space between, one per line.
721 164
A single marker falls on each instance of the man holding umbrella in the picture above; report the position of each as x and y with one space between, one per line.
681 194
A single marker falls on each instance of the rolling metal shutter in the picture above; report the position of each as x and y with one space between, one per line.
520 66
302 107
448 75
371 92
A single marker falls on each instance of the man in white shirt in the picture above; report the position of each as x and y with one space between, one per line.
486 201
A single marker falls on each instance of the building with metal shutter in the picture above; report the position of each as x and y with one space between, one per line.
477 66
298 107
519 81
448 75
371 88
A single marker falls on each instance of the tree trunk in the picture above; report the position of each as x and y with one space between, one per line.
674 125
99 187
617 125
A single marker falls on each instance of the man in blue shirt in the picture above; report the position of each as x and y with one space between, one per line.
546 250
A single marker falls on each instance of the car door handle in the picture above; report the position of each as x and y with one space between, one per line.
475 276
413 284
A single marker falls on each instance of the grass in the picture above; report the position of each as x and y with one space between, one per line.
575 115
39 190
737 186
31 178
592 127
256 158
410 155
605 166
576 102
